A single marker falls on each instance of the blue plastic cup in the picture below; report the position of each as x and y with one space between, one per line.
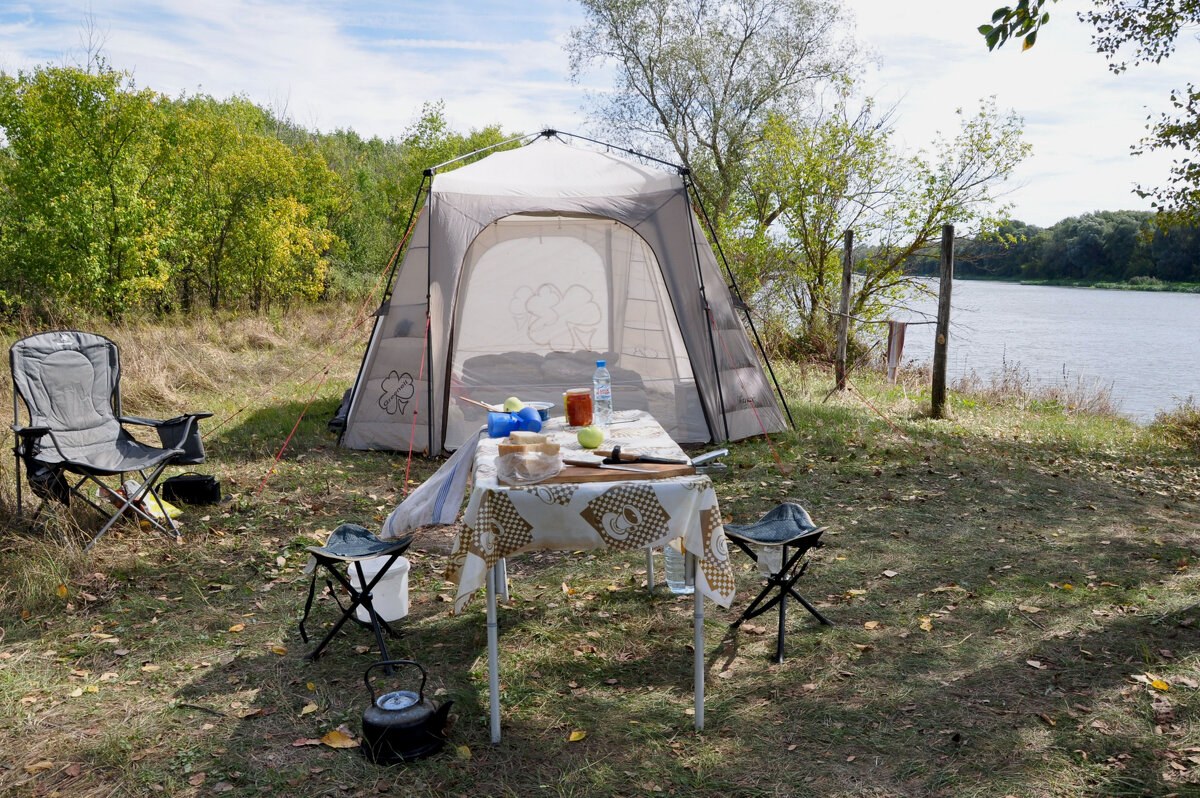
499 425
529 419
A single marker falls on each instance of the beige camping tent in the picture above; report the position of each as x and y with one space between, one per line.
526 267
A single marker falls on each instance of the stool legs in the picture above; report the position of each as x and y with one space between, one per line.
779 586
358 597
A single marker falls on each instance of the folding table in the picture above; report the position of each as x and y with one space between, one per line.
627 513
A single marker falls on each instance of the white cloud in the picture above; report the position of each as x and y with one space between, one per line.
334 66
1080 118
371 64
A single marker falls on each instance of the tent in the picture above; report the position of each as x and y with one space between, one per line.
527 266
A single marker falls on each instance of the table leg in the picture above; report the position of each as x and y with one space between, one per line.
493 655
650 570
502 580
698 645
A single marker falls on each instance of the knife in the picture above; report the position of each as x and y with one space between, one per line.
615 457
595 464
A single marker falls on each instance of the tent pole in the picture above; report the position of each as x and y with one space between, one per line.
428 328
432 169
388 285
625 150
712 346
745 308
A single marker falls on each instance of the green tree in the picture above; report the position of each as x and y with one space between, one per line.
843 173
243 207
696 80
1127 34
82 153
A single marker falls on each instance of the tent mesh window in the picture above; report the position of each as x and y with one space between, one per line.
543 297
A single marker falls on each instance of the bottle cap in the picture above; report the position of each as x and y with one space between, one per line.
599 364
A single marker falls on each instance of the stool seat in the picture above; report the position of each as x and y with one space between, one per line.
350 542
787 526
784 524
346 548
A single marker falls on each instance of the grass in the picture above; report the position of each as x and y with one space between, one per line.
1006 584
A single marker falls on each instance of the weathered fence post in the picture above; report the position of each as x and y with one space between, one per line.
938 393
843 328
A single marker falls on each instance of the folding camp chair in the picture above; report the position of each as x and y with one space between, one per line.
347 547
788 526
70 384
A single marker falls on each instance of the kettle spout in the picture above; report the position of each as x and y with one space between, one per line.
437 723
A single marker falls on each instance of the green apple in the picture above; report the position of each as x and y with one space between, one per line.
512 404
590 437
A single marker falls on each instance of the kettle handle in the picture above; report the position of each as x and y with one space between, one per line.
367 674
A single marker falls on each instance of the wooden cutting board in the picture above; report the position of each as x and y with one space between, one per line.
572 473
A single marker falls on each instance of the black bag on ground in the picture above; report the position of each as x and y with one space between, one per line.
191 488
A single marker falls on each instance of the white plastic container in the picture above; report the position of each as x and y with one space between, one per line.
390 594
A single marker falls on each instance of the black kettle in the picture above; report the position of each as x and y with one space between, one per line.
402 725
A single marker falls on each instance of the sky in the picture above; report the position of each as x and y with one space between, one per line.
371 65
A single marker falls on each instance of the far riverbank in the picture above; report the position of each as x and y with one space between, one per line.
1137 284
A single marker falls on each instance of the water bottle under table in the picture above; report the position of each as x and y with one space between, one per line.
676 569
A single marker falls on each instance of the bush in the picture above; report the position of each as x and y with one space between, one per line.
1181 426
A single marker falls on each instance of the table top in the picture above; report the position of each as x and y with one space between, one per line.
624 515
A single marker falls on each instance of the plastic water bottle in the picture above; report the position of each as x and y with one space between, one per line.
601 395
676 568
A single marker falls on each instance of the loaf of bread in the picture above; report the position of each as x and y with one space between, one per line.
528 448
526 437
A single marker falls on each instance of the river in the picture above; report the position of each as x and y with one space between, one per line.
1144 346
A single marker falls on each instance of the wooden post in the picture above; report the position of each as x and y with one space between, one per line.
938 393
843 328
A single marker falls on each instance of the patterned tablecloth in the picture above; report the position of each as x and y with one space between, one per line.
636 514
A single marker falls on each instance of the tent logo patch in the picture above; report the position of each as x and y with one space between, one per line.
557 319
398 389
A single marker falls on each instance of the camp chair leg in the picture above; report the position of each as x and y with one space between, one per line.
131 503
17 471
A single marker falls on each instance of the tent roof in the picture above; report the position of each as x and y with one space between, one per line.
549 167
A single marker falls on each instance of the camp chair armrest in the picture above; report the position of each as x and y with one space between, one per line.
29 432
141 422
155 422
27 437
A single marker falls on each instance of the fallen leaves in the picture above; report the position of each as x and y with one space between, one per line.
871 625
1153 681
308 708
237 627
38 767
339 739
926 624
577 735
